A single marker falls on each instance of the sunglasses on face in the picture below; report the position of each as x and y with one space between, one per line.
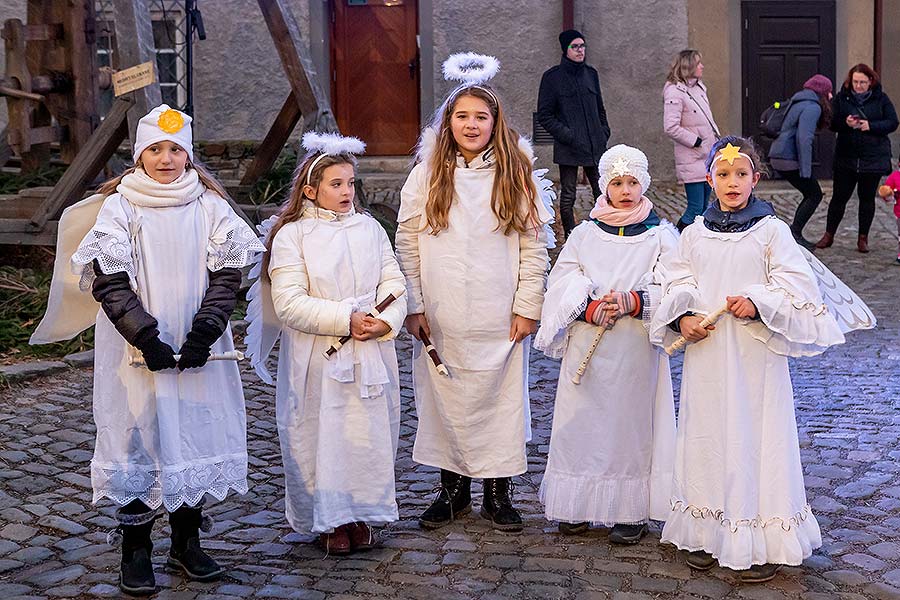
576 46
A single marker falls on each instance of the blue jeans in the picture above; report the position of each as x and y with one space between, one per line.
697 194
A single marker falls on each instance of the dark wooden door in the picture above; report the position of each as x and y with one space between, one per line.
783 45
375 73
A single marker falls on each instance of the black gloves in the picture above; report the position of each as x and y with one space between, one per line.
195 350
157 354
211 319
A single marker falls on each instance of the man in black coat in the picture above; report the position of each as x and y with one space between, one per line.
570 107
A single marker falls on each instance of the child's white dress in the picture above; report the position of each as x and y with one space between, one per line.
613 437
469 280
166 437
338 418
738 490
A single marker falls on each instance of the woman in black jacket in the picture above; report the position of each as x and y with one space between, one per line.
863 117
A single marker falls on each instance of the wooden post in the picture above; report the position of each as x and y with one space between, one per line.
134 45
87 164
307 99
275 139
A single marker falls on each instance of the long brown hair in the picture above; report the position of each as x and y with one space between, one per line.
514 194
827 112
206 178
684 65
292 209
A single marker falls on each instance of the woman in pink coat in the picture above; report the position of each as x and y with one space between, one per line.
688 120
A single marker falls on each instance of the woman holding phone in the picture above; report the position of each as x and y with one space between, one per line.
863 116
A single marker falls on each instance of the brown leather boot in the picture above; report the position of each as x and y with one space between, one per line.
361 536
862 244
826 241
337 542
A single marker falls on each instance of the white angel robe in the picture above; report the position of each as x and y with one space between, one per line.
470 280
613 436
166 437
738 490
338 418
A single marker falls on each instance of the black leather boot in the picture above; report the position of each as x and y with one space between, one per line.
186 554
452 500
497 505
133 535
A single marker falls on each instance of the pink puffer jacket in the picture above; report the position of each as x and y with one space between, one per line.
687 116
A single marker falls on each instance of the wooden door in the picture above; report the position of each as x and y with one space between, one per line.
783 45
375 73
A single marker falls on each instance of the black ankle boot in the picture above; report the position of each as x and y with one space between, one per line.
497 505
186 554
136 570
453 499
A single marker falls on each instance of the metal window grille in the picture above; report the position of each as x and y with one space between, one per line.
169 24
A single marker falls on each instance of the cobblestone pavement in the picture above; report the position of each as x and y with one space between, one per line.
52 540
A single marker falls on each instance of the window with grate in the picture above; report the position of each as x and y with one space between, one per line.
168 23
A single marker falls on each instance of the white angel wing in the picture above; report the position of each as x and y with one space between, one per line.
547 195
850 312
263 326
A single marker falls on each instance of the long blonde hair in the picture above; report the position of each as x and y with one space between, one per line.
514 194
206 178
684 65
292 209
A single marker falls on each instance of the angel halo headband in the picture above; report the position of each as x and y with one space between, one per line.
329 144
471 70
729 153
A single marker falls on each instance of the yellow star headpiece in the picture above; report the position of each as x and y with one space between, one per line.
731 152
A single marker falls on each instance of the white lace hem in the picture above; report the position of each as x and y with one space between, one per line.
600 500
111 252
740 543
236 250
169 486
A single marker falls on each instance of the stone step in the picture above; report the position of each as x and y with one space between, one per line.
385 164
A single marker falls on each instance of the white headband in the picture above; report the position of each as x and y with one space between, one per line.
329 144
729 153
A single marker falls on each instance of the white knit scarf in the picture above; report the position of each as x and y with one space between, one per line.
142 190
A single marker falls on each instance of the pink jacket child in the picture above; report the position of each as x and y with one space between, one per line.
891 190
687 116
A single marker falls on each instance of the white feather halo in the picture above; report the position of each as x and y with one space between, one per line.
470 68
332 143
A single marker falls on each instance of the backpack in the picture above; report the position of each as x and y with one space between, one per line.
772 119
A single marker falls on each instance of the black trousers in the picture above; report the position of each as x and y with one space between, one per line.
812 196
568 179
866 184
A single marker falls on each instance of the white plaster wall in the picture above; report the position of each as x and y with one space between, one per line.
632 44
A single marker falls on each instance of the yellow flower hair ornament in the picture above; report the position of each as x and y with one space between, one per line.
170 121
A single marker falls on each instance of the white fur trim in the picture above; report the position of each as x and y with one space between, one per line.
332 143
470 68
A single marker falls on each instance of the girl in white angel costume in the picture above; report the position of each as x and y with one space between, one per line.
611 447
338 416
472 244
738 495
161 251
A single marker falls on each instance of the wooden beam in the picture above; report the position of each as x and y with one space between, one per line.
87 164
15 232
134 45
275 139
5 149
568 10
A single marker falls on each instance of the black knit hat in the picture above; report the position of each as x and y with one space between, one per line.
566 37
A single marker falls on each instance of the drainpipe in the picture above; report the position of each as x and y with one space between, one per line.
568 7
876 43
